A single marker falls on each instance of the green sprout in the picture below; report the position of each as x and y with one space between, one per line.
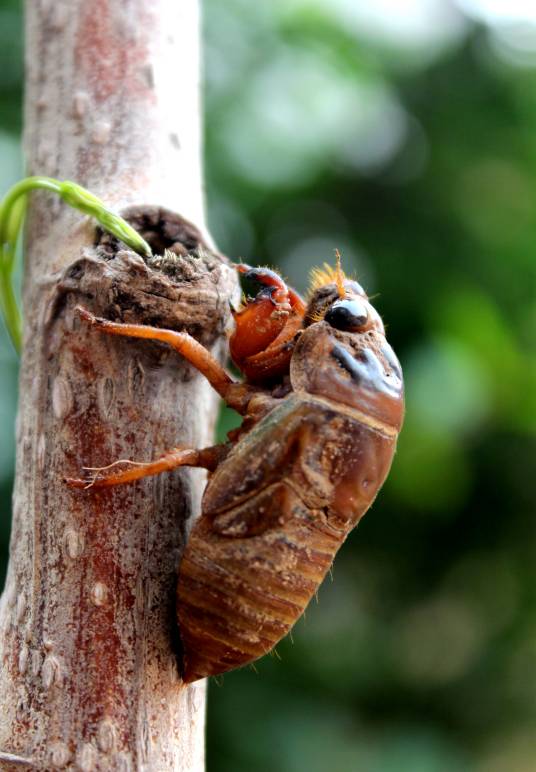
12 211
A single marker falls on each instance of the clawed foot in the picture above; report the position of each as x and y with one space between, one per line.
99 480
85 314
105 476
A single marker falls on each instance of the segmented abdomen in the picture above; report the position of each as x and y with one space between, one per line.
274 515
239 596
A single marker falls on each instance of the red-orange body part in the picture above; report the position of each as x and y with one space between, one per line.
260 345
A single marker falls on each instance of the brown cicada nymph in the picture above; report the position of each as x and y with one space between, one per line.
323 404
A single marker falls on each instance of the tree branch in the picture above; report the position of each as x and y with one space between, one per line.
88 645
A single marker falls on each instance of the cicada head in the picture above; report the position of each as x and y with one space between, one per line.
343 354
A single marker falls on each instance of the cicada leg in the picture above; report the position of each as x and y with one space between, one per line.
236 395
239 396
265 326
275 358
106 476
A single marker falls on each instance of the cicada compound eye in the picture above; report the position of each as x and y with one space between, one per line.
348 315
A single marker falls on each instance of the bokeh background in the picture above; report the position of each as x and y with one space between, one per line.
402 132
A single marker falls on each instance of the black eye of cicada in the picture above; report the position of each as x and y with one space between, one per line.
347 315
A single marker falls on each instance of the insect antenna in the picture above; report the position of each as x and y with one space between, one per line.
339 274
327 274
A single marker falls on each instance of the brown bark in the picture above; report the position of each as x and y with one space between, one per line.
88 646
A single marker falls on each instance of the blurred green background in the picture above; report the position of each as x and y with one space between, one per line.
402 132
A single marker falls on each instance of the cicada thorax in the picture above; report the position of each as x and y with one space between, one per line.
278 508
356 373
356 368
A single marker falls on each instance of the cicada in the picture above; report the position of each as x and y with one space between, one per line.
322 405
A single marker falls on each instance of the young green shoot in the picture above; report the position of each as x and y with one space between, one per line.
12 211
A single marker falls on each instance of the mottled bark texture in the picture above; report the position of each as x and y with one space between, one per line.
88 644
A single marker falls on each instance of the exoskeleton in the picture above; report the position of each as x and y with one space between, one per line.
323 404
